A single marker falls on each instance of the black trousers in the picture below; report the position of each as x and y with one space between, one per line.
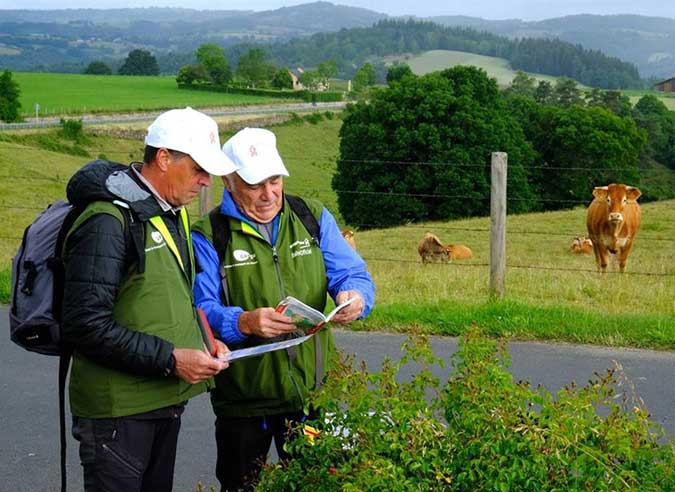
127 455
243 444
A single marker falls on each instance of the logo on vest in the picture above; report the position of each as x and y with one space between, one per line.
300 248
242 255
157 237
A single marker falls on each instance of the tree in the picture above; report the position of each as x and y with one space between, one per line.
364 77
309 79
615 101
543 94
253 68
653 116
579 148
567 93
327 70
139 62
282 79
97 67
187 74
417 141
397 72
214 63
9 98
523 85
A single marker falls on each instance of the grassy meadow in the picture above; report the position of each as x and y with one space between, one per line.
431 61
58 93
550 293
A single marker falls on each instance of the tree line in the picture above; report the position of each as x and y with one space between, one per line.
351 48
420 148
255 70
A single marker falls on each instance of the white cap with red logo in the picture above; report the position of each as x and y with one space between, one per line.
254 153
192 133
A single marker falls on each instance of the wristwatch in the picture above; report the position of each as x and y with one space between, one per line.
170 366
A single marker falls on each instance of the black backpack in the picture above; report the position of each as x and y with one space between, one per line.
37 290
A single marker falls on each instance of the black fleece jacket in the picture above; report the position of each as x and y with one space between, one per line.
97 257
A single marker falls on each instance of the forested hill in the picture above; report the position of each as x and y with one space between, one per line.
352 47
67 40
648 42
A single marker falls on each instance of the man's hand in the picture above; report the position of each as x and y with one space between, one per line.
265 323
194 366
351 312
221 350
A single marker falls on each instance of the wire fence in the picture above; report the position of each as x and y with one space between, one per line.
642 237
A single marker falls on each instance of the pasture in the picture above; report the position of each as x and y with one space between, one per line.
60 94
431 61
550 293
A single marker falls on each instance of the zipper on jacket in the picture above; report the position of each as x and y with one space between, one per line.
118 457
277 268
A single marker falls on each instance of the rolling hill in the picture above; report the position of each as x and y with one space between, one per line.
648 42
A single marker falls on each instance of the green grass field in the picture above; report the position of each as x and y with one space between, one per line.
666 98
59 94
550 293
431 61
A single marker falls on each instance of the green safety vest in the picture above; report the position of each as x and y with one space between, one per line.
259 275
157 302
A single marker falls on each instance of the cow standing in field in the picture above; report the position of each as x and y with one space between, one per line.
613 220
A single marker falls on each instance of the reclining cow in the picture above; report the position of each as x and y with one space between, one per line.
431 249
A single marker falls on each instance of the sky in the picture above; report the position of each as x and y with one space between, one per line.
488 9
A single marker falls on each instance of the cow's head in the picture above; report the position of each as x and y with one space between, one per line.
616 196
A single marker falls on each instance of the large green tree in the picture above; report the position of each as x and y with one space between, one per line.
254 68
97 67
654 118
420 149
139 62
282 79
9 98
577 148
365 77
214 63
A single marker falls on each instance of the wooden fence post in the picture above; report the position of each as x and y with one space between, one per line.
498 224
205 200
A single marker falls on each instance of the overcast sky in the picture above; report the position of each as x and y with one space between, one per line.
489 9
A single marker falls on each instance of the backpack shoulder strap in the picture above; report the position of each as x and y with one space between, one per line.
301 209
220 236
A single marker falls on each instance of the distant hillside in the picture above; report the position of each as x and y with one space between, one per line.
352 47
66 40
431 61
647 42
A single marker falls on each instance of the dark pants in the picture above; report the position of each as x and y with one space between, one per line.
243 444
126 454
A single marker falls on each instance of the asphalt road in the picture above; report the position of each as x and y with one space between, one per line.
102 119
29 450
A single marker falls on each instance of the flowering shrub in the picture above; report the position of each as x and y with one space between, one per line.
480 432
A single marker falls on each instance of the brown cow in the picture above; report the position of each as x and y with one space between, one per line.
613 220
349 237
431 249
459 252
581 245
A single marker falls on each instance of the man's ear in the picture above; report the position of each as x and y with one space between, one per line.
163 159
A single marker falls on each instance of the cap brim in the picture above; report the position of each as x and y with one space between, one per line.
214 161
254 176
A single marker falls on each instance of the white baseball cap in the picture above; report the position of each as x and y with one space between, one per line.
254 153
192 133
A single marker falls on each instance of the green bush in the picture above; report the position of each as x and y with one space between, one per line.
481 432
314 118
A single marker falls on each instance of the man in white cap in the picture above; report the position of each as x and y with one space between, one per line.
138 354
257 247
